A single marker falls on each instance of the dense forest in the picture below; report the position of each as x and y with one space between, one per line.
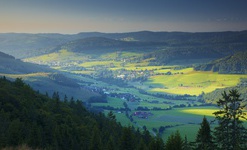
29 118
233 64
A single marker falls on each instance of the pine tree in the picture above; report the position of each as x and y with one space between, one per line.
230 133
156 144
186 144
204 137
174 142
111 116
65 99
142 145
126 140
95 142
110 144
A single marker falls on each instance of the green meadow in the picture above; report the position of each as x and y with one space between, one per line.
188 81
163 79
182 119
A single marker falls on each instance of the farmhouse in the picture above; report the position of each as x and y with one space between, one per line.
142 114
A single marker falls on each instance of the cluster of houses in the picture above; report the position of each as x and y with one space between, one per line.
142 114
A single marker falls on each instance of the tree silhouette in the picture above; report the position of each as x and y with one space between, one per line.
204 137
230 133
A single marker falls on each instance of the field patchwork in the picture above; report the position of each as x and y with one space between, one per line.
192 82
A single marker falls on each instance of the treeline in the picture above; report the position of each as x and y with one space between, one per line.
29 118
163 57
234 64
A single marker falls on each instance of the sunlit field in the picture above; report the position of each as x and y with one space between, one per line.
192 82
14 76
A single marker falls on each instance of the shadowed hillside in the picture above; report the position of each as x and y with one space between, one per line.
42 78
234 64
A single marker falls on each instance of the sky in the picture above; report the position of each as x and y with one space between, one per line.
74 16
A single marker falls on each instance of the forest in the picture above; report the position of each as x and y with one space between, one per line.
31 120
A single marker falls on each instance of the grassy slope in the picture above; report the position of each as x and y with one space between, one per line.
193 82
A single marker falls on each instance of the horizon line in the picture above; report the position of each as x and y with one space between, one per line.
121 32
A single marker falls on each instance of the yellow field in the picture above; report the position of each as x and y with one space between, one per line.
200 111
193 82
39 74
57 56
99 63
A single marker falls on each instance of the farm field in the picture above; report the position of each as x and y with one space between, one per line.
185 120
14 76
166 79
175 119
192 82
171 94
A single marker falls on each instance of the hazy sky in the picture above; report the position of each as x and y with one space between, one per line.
73 16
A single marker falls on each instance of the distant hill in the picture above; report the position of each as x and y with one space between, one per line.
8 64
28 45
3 55
41 78
190 55
102 44
234 64
23 45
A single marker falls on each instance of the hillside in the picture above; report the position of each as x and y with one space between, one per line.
35 120
98 45
213 96
3 55
42 78
234 64
29 45
8 64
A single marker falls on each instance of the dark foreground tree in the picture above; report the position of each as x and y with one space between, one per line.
29 120
204 139
230 134
174 142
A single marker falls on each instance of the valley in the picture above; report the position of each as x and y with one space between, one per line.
159 85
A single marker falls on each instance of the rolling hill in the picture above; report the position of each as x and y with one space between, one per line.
233 64
101 45
8 64
42 78
22 45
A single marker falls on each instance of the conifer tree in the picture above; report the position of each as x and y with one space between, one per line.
204 137
156 144
95 143
110 144
142 145
230 133
126 140
111 116
65 98
174 142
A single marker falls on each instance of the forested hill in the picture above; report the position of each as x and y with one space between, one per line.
29 45
234 64
29 118
3 55
101 44
8 64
